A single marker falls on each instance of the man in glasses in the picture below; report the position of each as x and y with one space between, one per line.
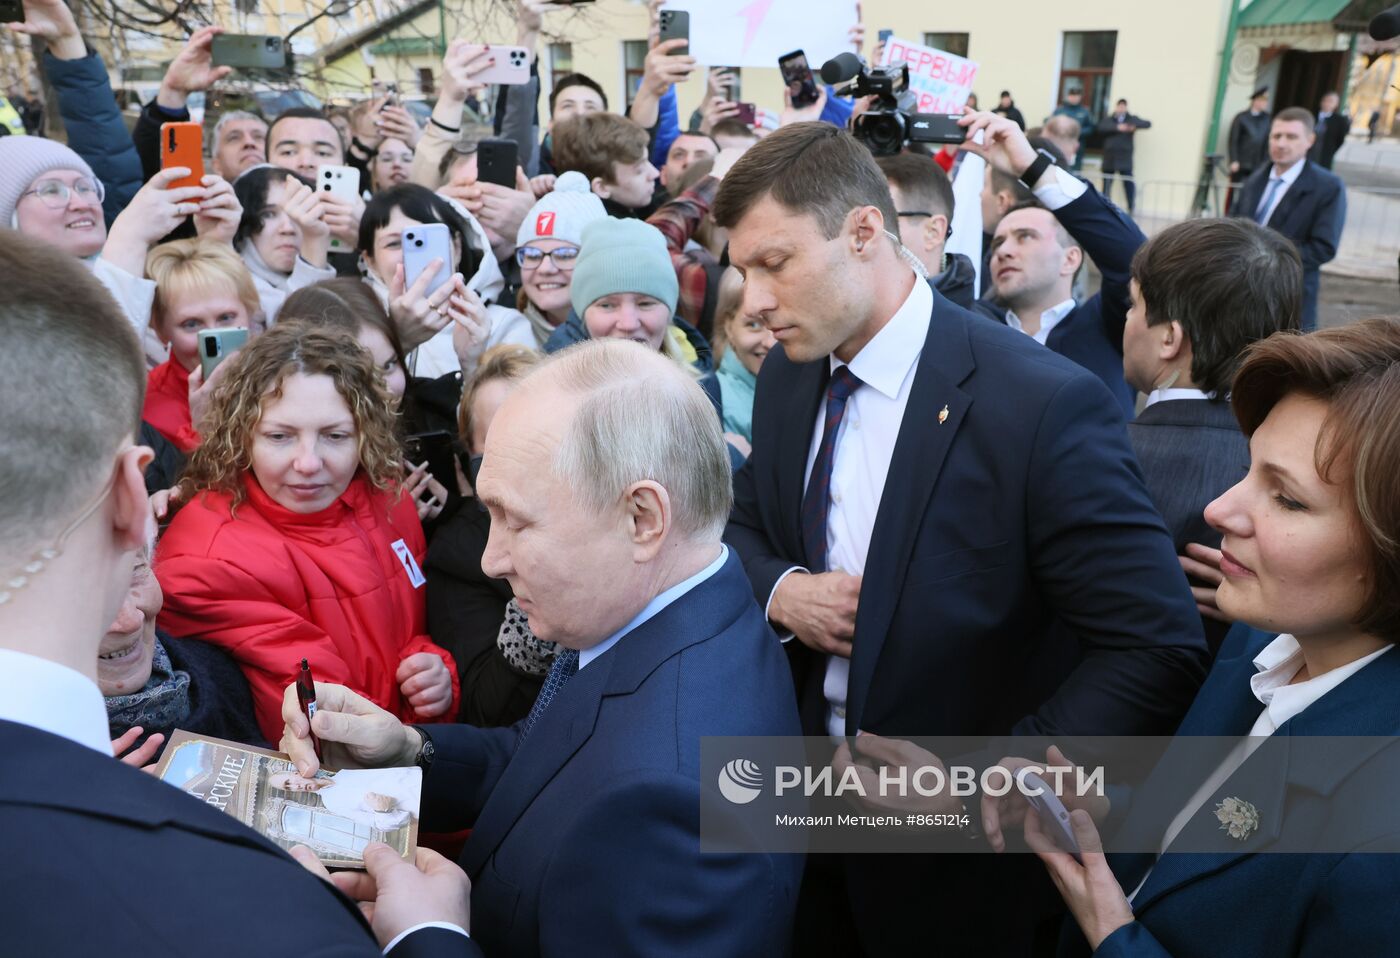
546 247
923 197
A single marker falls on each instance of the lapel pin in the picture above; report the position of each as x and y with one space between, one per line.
1237 817
943 415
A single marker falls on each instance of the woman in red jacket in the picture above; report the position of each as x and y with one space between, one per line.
200 284
295 542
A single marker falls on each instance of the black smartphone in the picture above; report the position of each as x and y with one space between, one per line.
496 162
885 35
438 448
936 128
249 51
798 76
11 11
675 25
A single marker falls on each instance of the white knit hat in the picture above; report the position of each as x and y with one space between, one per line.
23 159
564 213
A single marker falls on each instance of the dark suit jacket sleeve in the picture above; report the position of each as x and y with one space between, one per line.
1109 238
1140 123
661 895
745 532
1102 558
436 943
145 136
468 763
1236 131
1320 245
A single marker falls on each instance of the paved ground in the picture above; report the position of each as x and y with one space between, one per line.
1345 299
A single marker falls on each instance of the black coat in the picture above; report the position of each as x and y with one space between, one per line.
169 462
1331 134
957 283
1249 140
465 611
1011 113
1118 146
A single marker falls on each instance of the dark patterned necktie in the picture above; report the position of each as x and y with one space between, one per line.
564 668
816 502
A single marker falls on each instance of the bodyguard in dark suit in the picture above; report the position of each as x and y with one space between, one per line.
1036 253
1299 199
1119 129
1332 129
947 516
1202 292
586 814
1248 145
99 857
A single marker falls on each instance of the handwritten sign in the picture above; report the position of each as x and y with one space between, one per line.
940 80
755 33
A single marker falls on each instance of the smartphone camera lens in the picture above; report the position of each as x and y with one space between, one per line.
273 43
211 348
417 242
327 187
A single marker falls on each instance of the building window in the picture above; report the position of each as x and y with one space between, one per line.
425 81
634 55
954 43
561 62
1087 62
246 6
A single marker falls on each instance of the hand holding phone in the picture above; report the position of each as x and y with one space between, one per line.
421 245
674 25
496 162
511 66
182 144
250 52
797 75
216 345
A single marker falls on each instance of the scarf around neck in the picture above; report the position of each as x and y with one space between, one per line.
162 703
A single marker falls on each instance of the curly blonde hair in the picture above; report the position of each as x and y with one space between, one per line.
255 379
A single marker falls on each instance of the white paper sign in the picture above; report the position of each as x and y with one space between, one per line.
754 33
941 81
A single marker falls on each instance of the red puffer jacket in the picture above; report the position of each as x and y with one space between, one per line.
341 587
168 405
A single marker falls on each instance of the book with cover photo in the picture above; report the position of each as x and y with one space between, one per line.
335 814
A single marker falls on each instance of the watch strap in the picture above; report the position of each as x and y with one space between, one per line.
1043 161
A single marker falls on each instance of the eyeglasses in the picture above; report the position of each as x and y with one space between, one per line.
946 233
55 194
530 258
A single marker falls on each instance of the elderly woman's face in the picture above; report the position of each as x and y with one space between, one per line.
1291 541
124 657
305 446
76 227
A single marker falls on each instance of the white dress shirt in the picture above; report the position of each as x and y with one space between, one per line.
864 447
53 698
1289 177
1277 664
1048 320
1167 395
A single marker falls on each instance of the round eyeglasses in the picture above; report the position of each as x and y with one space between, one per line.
55 194
530 258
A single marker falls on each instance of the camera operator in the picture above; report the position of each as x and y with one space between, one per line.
1038 248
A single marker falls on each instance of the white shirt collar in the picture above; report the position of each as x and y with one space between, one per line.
1166 395
1291 174
1279 661
53 698
654 607
1048 319
885 361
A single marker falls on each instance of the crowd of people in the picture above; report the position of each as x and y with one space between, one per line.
683 433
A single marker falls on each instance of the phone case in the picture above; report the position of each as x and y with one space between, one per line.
748 114
512 66
496 162
216 345
675 25
341 181
182 144
248 51
421 245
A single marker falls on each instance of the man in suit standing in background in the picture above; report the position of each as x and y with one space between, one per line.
1299 199
949 519
1202 291
1120 128
99 856
1332 129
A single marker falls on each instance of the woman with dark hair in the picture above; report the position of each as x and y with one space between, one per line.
282 236
296 541
1310 558
422 319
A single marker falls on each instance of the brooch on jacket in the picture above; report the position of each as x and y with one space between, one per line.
1237 817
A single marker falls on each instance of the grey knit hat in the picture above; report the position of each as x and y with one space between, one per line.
23 159
623 256
563 213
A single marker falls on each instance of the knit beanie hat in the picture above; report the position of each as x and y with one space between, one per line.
563 213
623 256
23 159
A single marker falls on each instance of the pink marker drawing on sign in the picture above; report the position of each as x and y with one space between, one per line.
756 13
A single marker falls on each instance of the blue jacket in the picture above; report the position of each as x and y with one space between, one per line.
586 841
1092 334
1245 902
103 858
96 131
1018 581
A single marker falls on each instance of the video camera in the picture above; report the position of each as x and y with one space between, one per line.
891 121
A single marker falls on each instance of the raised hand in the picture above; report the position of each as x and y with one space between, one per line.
219 210
192 69
424 680
51 20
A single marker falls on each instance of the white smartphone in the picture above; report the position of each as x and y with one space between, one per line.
512 66
341 181
421 245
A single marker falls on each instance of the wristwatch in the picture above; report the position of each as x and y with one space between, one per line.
1043 161
426 752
